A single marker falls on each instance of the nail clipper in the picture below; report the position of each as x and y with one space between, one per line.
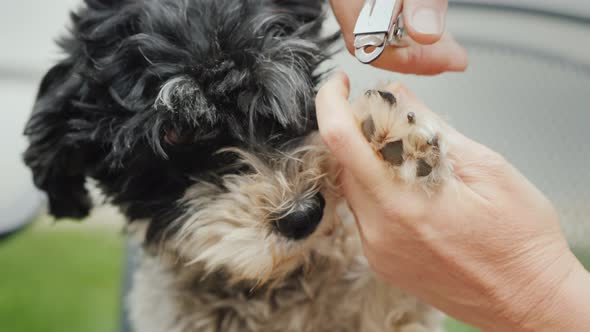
379 24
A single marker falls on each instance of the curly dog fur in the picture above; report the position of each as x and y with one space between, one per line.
196 118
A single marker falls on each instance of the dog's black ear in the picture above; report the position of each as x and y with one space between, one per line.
56 157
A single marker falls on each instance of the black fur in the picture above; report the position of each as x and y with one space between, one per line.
249 77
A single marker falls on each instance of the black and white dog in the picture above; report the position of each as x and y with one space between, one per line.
196 118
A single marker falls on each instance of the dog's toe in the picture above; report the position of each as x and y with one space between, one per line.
409 141
393 152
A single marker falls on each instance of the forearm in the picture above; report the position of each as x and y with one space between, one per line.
551 307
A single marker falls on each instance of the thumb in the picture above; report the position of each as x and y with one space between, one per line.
425 20
341 132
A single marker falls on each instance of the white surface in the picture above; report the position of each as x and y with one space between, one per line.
28 29
568 7
18 198
27 32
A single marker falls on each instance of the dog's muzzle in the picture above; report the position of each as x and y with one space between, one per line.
303 220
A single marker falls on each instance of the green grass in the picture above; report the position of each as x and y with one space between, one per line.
454 326
584 257
65 279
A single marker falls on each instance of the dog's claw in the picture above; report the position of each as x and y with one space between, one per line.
411 117
388 97
368 128
433 141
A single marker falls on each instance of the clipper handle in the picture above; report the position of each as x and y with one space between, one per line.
379 24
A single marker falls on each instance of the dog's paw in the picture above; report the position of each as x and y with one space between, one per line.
408 140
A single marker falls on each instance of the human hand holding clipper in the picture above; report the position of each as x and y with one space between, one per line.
379 25
403 36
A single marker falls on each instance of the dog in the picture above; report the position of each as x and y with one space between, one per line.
196 119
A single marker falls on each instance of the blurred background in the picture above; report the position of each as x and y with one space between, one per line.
525 95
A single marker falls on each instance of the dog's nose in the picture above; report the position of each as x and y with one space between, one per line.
304 220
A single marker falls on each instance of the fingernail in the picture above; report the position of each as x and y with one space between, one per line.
427 21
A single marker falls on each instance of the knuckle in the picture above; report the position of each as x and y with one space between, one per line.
413 56
335 137
493 161
393 213
408 215
414 60
497 158
404 212
350 47
490 168
348 39
374 245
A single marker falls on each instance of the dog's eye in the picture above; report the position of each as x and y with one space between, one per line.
173 137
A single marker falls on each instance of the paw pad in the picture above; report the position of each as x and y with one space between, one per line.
393 152
409 142
423 168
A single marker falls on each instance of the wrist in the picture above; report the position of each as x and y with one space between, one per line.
569 307
557 300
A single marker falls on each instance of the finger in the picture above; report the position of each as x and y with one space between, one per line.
341 133
364 208
425 20
353 192
445 55
346 13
